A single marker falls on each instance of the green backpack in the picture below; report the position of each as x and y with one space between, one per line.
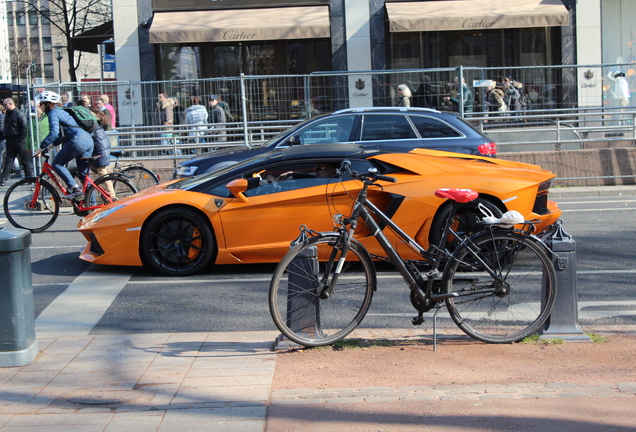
84 118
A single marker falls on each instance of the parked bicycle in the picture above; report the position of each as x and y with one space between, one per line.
34 204
499 285
140 176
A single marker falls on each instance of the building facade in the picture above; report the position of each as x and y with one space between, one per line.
203 39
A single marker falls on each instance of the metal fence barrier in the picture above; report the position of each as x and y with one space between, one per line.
557 108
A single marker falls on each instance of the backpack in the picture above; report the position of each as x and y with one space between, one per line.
84 118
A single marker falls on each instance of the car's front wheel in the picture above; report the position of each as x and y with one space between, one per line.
177 242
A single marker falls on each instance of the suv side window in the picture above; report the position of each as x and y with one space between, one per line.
330 130
378 127
432 128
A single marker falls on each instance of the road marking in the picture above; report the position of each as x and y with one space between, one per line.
596 202
80 307
597 210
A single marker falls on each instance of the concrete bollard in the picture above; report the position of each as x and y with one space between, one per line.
563 322
18 345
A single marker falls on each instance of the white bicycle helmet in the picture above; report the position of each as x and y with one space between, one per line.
48 96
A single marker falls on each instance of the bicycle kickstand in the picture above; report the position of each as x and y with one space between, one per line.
435 328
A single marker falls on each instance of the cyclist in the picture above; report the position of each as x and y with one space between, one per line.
76 142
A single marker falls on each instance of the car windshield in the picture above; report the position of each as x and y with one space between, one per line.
191 182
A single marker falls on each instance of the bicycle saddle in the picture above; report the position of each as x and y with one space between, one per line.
458 195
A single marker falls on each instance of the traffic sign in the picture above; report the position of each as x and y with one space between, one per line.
109 67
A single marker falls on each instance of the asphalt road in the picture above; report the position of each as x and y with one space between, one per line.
234 297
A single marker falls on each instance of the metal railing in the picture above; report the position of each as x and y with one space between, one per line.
562 107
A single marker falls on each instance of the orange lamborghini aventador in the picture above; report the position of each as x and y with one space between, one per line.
251 211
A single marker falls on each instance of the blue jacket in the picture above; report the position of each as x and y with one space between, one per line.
58 117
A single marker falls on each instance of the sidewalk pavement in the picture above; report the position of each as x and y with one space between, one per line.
209 381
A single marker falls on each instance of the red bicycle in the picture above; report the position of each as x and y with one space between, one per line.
34 204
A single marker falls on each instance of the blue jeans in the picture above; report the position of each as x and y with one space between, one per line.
79 147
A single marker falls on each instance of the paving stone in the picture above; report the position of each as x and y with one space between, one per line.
379 399
343 400
419 397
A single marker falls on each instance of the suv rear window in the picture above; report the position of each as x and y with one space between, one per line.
386 127
432 128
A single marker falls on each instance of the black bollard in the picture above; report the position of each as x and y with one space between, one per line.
563 322
301 298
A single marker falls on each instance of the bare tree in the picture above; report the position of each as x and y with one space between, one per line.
21 57
72 18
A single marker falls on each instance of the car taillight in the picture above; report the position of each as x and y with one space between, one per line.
488 149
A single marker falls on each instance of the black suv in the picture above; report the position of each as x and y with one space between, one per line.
390 129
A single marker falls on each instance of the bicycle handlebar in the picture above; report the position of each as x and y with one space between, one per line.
371 177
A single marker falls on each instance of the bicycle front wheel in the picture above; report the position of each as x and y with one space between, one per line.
24 209
299 312
141 177
114 187
508 298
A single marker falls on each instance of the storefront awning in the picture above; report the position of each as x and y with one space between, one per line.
90 39
475 14
240 25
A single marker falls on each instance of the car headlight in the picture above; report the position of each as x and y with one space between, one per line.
185 171
102 214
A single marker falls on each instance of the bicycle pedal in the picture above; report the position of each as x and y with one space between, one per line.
417 321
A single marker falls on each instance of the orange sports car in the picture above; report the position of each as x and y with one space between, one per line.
251 211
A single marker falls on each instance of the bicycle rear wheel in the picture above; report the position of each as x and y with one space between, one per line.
66 206
293 301
26 212
525 287
141 177
115 188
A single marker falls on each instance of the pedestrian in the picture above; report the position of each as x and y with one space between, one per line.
217 118
178 115
468 101
86 100
101 108
404 96
41 130
495 99
425 96
65 102
101 145
15 130
226 108
196 114
111 110
165 111
76 143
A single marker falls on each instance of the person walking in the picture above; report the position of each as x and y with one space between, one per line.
404 96
425 96
76 142
111 109
15 130
468 100
196 114
217 117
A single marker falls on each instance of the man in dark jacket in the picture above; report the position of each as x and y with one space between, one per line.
15 129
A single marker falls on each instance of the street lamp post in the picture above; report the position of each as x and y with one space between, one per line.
59 57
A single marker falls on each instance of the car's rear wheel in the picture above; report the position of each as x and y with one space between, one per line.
177 242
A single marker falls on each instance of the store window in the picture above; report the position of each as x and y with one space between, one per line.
211 60
488 48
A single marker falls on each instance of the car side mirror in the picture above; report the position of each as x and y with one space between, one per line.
237 187
294 140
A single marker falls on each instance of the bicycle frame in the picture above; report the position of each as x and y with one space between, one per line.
47 169
413 279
